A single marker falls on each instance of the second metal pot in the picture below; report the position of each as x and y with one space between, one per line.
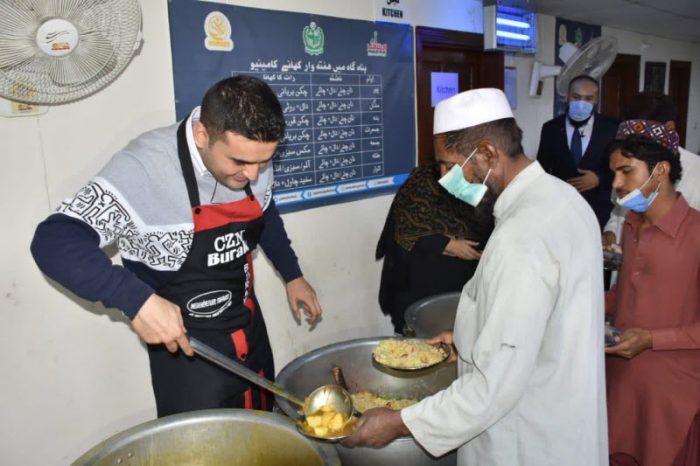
355 358
212 437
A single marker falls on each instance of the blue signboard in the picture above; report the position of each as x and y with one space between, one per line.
346 88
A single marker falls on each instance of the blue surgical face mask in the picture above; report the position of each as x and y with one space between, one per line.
580 110
635 200
455 184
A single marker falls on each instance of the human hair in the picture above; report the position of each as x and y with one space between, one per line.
244 105
582 77
653 106
649 152
505 134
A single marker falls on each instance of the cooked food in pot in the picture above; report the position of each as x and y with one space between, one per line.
365 400
327 423
407 354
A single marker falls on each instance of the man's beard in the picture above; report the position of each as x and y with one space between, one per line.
485 207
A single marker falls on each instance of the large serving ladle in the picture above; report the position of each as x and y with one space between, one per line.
326 395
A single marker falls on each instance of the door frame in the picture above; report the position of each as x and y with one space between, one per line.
681 99
626 91
490 73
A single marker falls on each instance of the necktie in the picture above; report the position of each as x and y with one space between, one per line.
576 147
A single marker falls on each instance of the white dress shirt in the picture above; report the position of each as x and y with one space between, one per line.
585 130
529 331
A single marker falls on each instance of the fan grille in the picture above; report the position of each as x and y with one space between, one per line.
592 60
107 35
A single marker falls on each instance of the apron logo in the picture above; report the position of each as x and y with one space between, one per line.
210 304
229 247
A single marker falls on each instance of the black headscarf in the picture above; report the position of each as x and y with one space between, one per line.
422 207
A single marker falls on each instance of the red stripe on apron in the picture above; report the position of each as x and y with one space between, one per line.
240 342
248 399
215 215
263 393
249 303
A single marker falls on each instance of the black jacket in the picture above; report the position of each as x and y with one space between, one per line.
556 159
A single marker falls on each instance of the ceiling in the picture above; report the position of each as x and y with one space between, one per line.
672 19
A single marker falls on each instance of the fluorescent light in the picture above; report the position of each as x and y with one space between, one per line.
512 35
513 23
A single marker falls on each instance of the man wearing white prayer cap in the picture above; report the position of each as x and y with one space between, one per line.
528 334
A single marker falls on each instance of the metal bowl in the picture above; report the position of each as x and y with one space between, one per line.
212 437
612 260
444 349
312 369
430 316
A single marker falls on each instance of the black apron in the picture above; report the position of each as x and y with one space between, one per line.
214 289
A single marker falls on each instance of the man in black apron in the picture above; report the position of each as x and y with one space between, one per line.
218 304
196 280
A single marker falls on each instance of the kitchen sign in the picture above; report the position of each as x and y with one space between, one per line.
394 11
442 86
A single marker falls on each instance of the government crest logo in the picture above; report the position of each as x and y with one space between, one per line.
313 39
218 30
376 49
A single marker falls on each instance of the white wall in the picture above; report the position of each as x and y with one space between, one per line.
73 372
533 111
656 49
71 376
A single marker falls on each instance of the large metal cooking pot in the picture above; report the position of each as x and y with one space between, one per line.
309 371
430 316
210 438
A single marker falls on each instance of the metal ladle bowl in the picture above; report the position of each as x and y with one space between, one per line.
338 398
327 395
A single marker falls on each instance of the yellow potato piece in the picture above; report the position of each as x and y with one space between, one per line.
327 418
337 422
325 422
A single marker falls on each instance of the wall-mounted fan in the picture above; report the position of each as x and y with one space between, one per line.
57 51
593 59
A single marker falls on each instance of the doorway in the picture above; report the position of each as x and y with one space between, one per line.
679 90
440 50
619 86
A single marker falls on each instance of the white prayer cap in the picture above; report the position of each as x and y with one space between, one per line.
470 108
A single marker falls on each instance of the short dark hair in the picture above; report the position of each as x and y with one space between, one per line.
504 134
651 106
582 77
649 152
244 105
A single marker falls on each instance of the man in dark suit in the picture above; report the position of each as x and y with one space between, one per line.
573 146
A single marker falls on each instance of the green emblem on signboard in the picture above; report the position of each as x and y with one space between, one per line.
313 39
